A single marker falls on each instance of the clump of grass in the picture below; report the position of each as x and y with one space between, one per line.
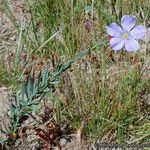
107 101
5 79
103 92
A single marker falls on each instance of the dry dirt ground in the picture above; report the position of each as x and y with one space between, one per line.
5 102
8 34
8 43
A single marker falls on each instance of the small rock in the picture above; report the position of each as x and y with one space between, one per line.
5 103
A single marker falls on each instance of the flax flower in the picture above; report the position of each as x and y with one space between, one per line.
126 36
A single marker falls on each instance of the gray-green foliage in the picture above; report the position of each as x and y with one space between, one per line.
30 94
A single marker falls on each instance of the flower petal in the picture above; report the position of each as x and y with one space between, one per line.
138 32
131 45
127 22
114 29
117 43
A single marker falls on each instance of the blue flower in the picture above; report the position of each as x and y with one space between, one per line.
127 36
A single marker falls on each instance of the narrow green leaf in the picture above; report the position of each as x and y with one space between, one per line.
81 54
54 81
45 76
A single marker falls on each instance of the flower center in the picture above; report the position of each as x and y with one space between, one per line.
125 35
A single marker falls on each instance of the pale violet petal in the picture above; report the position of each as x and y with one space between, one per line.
117 43
128 22
138 32
114 29
131 45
